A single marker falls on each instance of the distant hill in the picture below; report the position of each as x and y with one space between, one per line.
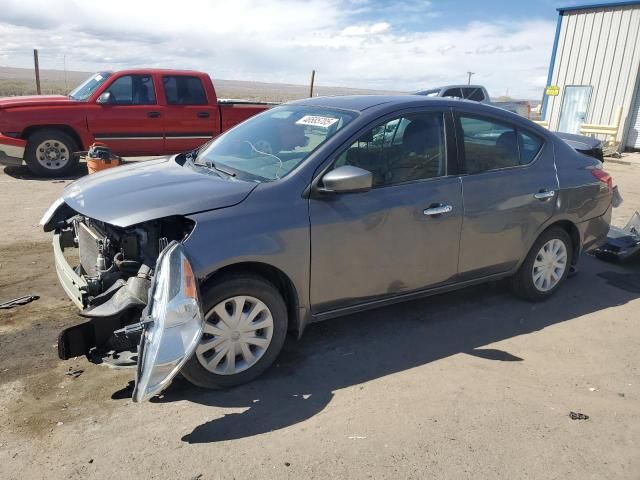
21 81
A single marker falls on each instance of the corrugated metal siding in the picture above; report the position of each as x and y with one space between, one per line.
601 48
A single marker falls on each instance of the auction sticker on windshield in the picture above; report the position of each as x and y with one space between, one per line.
317 121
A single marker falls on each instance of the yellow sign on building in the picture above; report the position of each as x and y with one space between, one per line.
552 90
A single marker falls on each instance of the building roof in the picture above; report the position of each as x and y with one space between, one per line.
591 6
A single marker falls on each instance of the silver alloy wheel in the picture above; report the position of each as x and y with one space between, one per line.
52 154
549 265
236 334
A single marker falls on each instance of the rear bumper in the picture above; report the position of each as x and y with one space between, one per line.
594 232
11 150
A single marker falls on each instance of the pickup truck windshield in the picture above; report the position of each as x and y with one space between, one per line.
268 146
86 88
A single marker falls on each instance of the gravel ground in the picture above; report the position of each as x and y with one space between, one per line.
472 384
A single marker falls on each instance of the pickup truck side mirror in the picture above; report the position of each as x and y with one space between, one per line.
104 98
347 179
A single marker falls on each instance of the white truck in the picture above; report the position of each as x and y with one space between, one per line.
478 93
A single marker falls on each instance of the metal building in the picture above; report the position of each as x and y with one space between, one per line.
595 64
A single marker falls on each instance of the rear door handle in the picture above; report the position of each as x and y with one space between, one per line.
153 114
438 210
544 194
203 114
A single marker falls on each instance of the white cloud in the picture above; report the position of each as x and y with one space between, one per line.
279 42
373 29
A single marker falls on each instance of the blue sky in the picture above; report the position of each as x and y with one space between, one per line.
398 45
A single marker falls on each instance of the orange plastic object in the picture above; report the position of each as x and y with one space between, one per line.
96 164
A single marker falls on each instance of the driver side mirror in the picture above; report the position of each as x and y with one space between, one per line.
104 98
347 179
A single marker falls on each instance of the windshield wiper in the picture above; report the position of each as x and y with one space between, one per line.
218 169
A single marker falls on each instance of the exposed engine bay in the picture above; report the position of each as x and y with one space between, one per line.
115 267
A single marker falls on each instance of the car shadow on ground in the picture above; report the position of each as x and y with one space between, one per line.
352 350
23 173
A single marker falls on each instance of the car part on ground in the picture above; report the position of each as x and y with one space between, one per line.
623 244
18 301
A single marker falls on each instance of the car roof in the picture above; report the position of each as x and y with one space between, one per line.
360 103
166 71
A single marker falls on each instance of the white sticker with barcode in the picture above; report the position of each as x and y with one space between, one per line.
317 121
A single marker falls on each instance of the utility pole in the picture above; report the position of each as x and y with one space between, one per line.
37 67
469 80
313 77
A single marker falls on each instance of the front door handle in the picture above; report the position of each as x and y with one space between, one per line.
438 210
153 114
544 194
203 114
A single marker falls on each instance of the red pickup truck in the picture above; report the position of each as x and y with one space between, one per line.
135 112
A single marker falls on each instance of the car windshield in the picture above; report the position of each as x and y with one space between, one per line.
268 146
86 88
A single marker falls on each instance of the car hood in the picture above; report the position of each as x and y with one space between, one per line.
152 189
35 101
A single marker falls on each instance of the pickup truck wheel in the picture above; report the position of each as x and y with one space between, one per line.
546 266
245 329
50 153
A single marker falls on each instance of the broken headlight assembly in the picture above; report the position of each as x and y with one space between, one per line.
171 325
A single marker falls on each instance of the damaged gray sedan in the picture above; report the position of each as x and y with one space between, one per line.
202 262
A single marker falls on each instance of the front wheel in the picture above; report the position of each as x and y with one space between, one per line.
546 266
50 153
245 329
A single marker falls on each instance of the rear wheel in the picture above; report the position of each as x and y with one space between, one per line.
245 329
50 153
546 266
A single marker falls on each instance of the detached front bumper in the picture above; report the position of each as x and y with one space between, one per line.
11 150
74 285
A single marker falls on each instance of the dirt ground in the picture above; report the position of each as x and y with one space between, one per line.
472 384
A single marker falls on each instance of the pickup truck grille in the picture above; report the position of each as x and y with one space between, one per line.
89 244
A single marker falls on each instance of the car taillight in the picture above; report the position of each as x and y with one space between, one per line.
603 176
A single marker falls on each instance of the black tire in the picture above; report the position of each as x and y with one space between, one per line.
227 287
522 282
61 141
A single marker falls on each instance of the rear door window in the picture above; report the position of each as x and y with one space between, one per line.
475 94
453 92
184 90
492 145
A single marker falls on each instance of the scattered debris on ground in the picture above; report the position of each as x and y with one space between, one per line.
623 244
18 301
578 416
74 373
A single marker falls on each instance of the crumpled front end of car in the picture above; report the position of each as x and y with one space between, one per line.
136 287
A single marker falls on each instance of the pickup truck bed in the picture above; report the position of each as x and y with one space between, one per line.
134 112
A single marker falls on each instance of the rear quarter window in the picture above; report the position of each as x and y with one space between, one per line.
184 90
530 145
